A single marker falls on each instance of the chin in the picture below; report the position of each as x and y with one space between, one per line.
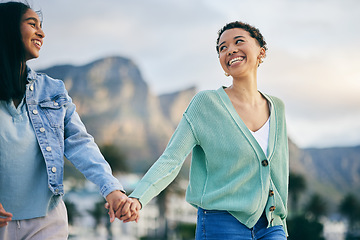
32 57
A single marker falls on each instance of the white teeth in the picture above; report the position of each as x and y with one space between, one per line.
238 59
37 43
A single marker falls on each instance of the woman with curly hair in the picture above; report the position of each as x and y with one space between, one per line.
237 135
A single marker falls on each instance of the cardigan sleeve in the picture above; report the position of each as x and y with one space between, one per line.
167 167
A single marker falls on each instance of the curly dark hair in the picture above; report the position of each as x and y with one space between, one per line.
253 31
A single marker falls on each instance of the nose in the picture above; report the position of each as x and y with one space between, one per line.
232 50
40 33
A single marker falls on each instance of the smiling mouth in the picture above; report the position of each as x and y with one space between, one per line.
235 60
37 43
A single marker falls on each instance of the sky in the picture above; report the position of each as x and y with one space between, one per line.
312 63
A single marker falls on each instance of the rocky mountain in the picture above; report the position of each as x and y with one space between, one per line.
337 169
173 104
118 107
330 172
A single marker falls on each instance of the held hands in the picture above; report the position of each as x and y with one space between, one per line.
118 204
5 217
132 212
124 208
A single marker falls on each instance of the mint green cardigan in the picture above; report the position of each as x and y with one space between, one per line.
227 171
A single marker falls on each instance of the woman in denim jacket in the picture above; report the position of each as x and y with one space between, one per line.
39 126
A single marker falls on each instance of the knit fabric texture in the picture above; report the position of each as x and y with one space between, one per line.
229 170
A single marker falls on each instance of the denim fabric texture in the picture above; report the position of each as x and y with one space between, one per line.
60 132
220 225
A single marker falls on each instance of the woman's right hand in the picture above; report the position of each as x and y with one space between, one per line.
5 217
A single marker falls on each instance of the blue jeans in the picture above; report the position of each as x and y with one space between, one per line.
220 225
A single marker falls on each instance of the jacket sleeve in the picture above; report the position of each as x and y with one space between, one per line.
81 150
167 167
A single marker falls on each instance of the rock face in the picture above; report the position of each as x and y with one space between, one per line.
174 103
330 172
338 167
118 108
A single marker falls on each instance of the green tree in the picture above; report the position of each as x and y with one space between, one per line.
317 206
164 232
186 231
99 213
115 157
350 208
297 185
161 201
301 228
72 211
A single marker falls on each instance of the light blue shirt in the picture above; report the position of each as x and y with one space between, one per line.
58 131
22 166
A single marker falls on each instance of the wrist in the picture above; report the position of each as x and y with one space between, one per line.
138 201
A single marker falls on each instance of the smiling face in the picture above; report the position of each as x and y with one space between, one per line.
239 53
32 34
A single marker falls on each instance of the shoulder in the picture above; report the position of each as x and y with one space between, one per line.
203 99
45 81
42 77
49 80
46 87
204 96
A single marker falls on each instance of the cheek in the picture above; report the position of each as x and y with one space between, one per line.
221 59
24 36
24 40
222 63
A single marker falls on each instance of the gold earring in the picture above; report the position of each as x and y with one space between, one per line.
226 74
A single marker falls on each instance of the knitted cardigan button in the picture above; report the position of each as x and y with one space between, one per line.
271 193
264 163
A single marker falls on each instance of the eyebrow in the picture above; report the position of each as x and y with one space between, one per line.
34 19
236 37
31 18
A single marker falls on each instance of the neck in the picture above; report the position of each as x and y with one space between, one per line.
21 82
245 89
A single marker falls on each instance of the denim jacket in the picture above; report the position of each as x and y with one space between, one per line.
60 132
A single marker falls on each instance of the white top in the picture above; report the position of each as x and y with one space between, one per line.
262 136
